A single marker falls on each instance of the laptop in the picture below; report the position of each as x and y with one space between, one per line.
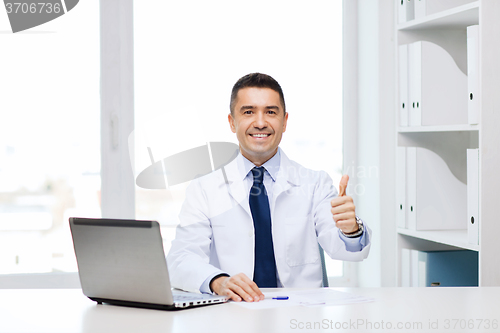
122 262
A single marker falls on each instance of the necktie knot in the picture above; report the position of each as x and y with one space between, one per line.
258 174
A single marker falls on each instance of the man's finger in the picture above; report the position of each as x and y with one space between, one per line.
233 296
240 291
257 294
343 185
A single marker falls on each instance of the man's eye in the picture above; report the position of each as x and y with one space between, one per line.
271 112
247 112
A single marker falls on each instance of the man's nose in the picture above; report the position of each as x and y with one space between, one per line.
260 120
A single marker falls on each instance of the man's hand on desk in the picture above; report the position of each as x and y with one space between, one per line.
343 209
237 287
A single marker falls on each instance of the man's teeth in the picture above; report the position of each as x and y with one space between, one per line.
260 135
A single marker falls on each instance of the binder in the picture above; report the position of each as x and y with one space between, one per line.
473 73
422 271
401 11
406 10
473 196
405 268
411 183
401 186
420 9
414 272
437 87
415 83
403 85
437 200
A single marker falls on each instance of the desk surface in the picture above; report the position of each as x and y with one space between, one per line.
396 309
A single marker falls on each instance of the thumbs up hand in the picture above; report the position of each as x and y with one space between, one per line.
343 185
343 209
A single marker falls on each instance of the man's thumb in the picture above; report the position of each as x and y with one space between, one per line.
343 185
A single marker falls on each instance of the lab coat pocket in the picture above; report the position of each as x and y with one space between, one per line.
301 241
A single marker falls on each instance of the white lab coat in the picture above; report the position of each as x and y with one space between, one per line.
216 232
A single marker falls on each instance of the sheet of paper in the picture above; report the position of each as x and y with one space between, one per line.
309 298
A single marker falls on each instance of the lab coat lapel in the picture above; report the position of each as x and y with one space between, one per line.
237 188
284 180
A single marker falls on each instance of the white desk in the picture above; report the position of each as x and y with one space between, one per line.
69 311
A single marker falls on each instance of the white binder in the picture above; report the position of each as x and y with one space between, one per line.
420 8
473 196
401 186
403 85
437 197
406 10
401 11
415 83
411 187
473 73
414 268
405 268
437 87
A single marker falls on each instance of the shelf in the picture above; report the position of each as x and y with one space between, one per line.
457 238
444 128
455 18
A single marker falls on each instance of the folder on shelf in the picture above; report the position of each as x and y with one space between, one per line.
415 83
406 10
473 73
420 6
411 187
437 87
403 85
401 186
401 11
405 268
473 196
436 198
414 272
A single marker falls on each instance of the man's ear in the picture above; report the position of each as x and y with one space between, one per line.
231 123
284 123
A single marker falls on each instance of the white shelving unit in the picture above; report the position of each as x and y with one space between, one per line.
448 30
448 128
458 17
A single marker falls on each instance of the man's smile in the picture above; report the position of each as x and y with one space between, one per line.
260 135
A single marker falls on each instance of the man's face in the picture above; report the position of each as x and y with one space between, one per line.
259 121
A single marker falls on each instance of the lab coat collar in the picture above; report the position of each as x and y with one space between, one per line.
235 172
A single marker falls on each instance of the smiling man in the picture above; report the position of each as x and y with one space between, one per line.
257 222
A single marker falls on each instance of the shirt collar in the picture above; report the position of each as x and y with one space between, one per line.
272 166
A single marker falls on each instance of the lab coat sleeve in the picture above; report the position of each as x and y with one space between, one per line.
355 244
328 234
189 256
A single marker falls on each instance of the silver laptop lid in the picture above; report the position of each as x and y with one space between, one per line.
121 260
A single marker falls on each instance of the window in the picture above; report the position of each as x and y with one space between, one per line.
49 138
189 54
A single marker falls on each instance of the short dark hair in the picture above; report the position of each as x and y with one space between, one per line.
256 80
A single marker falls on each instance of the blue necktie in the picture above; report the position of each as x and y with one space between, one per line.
265 266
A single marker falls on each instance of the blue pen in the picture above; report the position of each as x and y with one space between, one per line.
281 298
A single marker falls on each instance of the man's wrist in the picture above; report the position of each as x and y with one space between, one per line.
356 233
215 278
